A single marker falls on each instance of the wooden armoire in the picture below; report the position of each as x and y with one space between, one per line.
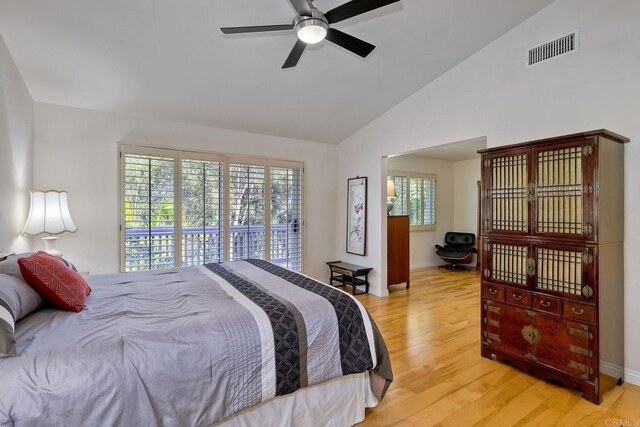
398 250
552 219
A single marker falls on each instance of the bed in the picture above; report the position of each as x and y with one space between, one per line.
233 344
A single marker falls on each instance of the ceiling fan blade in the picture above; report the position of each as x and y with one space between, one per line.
355 8
302 7
355 45
256 29
294 56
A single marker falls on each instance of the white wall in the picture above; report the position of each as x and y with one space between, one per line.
422 242
16 154
493 94
76 150
466 174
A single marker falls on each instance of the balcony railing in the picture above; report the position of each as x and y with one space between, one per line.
154 249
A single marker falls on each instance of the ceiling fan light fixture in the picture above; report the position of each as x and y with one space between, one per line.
311 29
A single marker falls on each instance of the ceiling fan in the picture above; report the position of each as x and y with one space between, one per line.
312 26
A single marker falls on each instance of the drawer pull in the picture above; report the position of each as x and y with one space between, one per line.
544 303
517 297
578 312
493 291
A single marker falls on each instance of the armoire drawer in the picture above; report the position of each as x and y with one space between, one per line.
577 311
493 292
518 297
547 304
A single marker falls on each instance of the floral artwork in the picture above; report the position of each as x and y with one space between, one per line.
357 216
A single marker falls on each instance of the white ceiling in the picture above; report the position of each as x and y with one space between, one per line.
167 59
454 151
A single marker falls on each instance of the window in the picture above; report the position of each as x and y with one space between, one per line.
416 197
202 210
229 209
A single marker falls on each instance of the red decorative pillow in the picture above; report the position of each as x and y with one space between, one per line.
68 265
54 281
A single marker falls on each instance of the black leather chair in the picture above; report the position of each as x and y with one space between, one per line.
458 249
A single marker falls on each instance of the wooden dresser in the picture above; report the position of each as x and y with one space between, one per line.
398 250
552 219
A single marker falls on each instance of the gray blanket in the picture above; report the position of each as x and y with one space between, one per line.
189 346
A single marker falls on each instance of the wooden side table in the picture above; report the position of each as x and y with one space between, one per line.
344 273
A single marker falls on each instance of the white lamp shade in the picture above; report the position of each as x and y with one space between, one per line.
391 188
49 213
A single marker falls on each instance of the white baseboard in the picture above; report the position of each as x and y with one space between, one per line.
632 377
617 371
611 369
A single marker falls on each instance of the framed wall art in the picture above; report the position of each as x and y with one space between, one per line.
357 216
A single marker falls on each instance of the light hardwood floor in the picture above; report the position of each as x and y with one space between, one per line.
433 335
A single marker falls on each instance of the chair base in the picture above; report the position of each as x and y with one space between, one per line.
456 267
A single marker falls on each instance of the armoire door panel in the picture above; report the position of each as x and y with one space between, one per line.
565 345
507 327
565 270
508 188
564 191
507 263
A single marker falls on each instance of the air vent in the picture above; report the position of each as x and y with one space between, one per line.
561 46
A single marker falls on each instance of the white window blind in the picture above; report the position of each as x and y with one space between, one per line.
247 216
149 218
429 198
416 197
286 217
202 212
229 209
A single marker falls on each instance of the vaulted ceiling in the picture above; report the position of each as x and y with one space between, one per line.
168 59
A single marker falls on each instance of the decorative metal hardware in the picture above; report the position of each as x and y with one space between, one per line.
587 150
531 192
578 312
487 247
493 356
587 258
587 229
487 273
581 350
516 297
587 189
587 291
580 367
531 334
530 313
580 334
531 356
487 163
493 337
493 291
493 309
491 322
531 267
545 303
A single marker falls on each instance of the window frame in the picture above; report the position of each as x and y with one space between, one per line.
422 176
226 159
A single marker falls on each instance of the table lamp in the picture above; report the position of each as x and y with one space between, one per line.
49 213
